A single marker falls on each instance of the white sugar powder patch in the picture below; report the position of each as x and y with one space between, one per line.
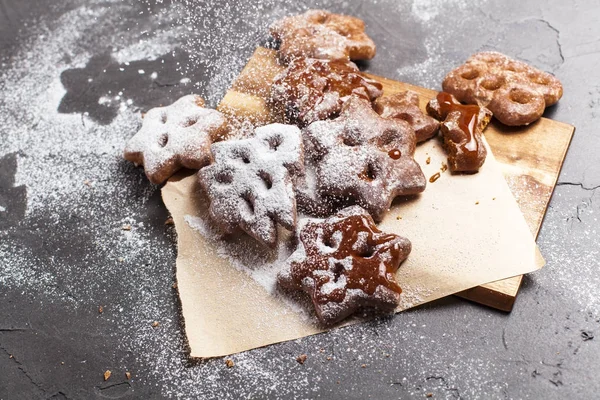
427 10
246 255
430 72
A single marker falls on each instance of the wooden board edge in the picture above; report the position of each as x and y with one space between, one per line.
498 294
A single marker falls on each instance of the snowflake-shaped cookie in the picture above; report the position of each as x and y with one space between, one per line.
251 183
174 137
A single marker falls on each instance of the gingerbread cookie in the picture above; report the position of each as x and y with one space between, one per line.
321 34
514 91
251 183
462 128
174 137
364 158
345 263
405 106
311 90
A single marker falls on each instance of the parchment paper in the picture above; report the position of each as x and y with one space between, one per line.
466 230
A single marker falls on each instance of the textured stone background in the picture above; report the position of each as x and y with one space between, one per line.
65 193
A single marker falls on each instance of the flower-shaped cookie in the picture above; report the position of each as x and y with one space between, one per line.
174 137
364 158
514 91
345 263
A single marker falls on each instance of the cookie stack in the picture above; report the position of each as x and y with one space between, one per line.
342 155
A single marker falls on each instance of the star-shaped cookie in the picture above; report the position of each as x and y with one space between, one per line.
345 263
174 137
324 35
364 158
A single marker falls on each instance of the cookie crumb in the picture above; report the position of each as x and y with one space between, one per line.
476 203
169 221
428 161
399 217
444 167
363 365
229 363
126 227
174 285
155 324
62 363
128 375
107 374
429 395
87 183
328 358
434 177
120 259
100 309
301 358
493 198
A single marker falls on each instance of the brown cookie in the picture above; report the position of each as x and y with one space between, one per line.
174 137
251 183
345 263
311 90
514 91
462 128
308 197
405 106
321 34
364 158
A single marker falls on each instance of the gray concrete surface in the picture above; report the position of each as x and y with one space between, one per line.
65 193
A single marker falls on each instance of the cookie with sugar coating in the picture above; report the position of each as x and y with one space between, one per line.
174 137
251 182
344 263
324 35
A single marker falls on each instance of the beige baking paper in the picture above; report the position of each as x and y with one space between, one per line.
466 230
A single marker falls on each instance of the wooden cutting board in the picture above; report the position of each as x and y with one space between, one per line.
531 157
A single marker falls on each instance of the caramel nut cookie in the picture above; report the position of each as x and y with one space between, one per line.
251 182
405 106
321 34
514 91
174 137
345 263
364 158
462 128
311 90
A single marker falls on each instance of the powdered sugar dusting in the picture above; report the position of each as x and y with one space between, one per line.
248 256
251 182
